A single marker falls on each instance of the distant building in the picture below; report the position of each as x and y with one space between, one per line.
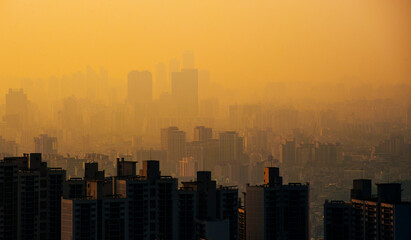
45 144
231 147
287 152
174 142
203 134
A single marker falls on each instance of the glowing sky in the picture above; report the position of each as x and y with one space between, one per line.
239 41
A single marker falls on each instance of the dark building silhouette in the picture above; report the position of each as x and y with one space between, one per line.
91 171
36 208
217 207
151 203
384 216
277 211
9 200
125 168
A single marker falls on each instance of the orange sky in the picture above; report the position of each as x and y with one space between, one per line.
246 42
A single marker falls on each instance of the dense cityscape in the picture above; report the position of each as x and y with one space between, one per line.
205 120
205 173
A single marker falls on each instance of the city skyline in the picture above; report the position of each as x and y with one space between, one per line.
205 120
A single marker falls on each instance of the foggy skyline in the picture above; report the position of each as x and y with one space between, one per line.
147 119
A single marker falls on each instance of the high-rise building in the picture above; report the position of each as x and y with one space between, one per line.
187 200
242 232
125 168
231 147
45 144
9 200
91 171
326 154
74 188
174 142
337 220
184 89
305 153
28 205
275 210
55 185
202 134
37 205
151 203
104 218
217 207
384 216
287 152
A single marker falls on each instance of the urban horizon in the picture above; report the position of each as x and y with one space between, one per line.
205 120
